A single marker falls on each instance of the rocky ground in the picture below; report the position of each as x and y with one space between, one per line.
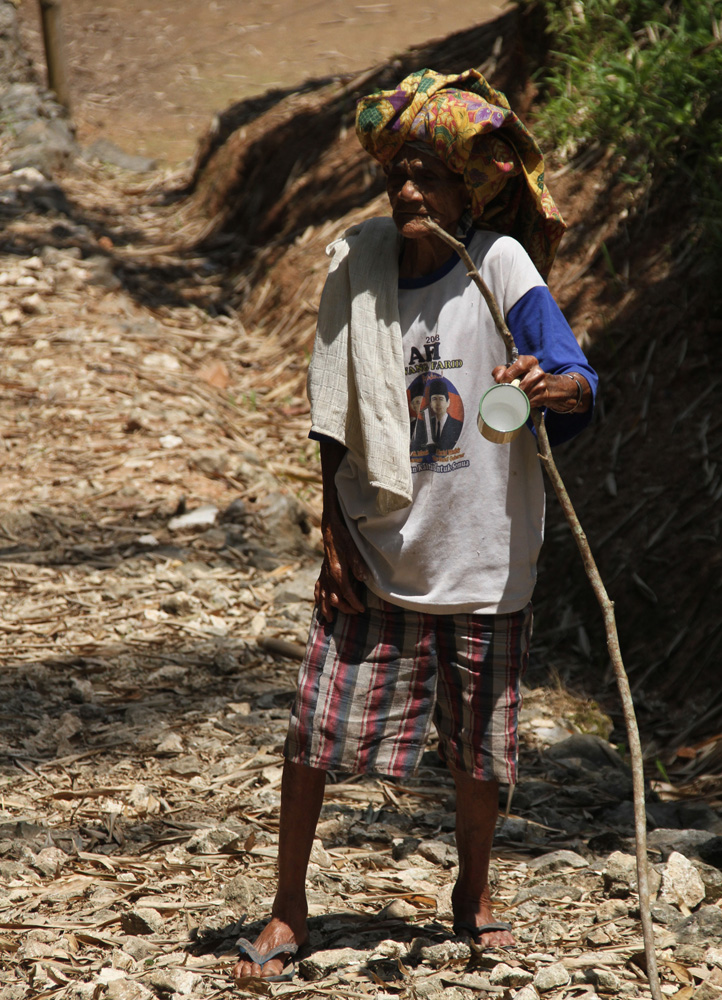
158 546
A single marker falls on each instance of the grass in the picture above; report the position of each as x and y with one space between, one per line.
641 77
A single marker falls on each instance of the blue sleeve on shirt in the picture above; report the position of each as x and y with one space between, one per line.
538 327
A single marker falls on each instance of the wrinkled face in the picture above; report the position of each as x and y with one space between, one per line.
439 405
416 404
420 186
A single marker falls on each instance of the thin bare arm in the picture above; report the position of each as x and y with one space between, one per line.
342 561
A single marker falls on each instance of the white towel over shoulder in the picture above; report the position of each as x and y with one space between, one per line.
356 381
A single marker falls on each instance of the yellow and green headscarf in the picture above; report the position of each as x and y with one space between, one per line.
472 129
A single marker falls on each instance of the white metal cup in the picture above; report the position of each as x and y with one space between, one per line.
503 411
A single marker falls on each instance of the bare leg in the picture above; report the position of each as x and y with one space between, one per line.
477 806
301 800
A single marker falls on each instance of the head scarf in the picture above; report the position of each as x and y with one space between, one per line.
472 129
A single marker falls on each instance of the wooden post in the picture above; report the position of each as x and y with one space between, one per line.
52 23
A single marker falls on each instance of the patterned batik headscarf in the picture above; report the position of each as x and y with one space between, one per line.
472 129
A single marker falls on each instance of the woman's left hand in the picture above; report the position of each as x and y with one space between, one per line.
558 392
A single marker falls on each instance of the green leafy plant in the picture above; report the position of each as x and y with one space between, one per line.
641 77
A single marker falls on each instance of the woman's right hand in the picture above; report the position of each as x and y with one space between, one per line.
342 565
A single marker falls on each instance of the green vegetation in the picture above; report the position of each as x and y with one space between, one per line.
644 78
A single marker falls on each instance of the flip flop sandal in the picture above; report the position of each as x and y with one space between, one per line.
289 969
474 932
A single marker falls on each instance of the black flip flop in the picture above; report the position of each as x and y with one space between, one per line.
289 969
474 932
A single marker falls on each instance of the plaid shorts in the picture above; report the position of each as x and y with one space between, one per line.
371 684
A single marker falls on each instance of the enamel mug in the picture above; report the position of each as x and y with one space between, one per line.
503 411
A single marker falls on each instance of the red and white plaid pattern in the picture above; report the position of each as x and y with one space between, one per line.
371 684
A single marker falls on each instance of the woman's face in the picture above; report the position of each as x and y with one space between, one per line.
421 187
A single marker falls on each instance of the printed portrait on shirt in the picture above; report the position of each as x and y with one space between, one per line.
436 415
418 415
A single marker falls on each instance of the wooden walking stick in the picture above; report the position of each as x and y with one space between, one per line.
607 606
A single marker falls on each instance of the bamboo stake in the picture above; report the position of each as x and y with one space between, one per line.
607 606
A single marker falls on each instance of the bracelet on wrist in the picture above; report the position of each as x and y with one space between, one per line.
580 395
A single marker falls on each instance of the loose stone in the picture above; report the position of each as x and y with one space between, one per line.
551 977
681 882
505 975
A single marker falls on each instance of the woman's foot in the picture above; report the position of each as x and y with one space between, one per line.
276 932
477 804
475 913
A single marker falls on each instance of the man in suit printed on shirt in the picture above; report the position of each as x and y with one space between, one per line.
419 435
445 429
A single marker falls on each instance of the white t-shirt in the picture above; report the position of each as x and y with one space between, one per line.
470 539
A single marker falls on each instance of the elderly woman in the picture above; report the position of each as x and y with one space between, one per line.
431 533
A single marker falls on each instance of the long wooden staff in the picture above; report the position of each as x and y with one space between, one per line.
607 606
